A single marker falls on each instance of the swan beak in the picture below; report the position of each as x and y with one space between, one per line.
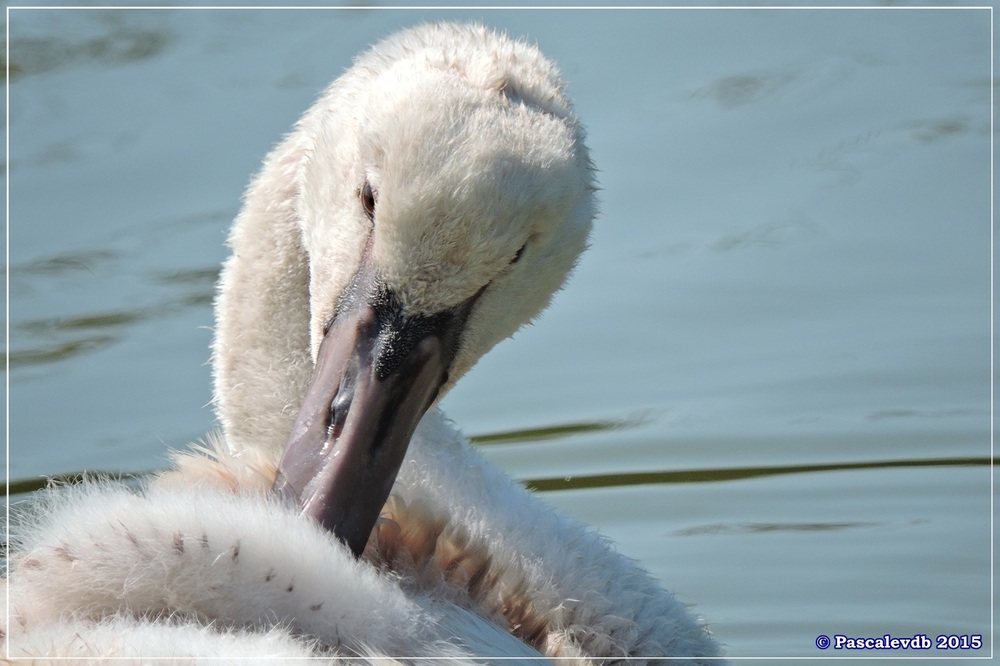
376 374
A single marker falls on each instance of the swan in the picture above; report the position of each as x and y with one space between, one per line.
423 209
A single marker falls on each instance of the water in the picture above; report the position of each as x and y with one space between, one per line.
769 379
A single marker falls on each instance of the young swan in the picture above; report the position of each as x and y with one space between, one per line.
428 205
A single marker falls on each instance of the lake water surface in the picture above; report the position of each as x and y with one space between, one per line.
768 381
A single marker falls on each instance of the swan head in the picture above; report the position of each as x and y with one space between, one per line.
442 194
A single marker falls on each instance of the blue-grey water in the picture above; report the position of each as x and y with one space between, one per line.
768 381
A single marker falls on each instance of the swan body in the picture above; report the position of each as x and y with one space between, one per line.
428 204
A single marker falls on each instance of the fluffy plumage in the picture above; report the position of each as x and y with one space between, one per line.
478 160
459 535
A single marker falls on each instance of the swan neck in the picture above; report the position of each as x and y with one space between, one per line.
261 359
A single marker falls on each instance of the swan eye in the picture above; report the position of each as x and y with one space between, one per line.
517 255
367 195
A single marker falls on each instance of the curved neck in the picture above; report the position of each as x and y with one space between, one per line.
260 355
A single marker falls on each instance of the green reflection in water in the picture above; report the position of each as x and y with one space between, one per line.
65 263
763 528
102 320
193 276
58 352
120 45
704 475
25 486
559 431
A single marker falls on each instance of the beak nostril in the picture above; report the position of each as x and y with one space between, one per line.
337 415
339 406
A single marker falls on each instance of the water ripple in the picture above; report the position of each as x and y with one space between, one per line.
44 340
762 528
578 482
545 433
